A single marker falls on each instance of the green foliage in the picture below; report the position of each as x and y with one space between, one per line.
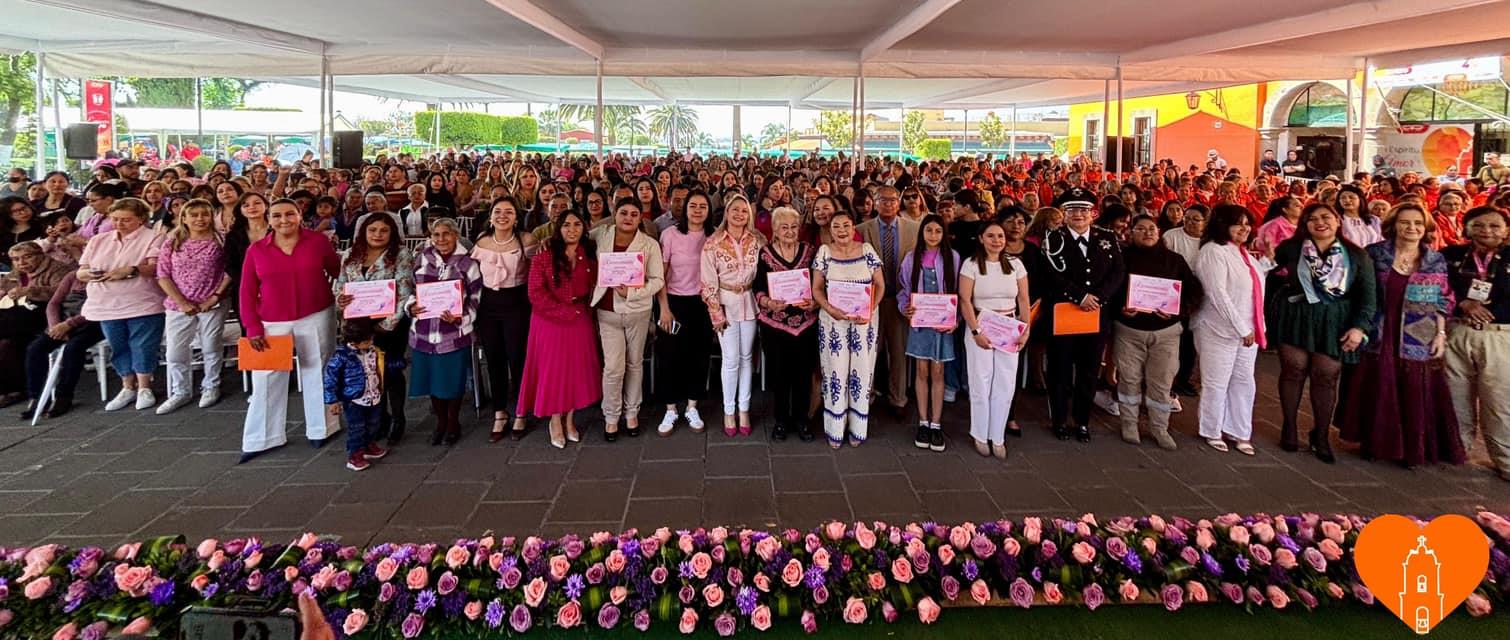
517 130
836 127
202 164
913 131
993 133
675 122
17 96
1061 146
178 93
458 128
371 128
935 148
773 134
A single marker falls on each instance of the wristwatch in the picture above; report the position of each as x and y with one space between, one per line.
135 271
975 332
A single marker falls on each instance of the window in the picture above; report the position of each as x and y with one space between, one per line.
1421 584
1422 104
1319 105
1143 139
1093 138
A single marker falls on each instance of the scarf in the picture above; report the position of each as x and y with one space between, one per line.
1258 299
1328 272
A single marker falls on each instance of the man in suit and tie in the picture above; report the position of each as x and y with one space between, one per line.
893 237
1084 267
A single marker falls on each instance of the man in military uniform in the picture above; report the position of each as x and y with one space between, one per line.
1083 265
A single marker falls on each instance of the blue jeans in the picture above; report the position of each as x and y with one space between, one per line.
135 343
361 423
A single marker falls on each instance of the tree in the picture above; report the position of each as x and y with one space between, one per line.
837 128
17 97
773 134
993 134
702 140
375 128
748 145
619 123
673 121
913 131
178 93
935 148
612 113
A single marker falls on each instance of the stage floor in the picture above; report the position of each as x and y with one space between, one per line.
98 478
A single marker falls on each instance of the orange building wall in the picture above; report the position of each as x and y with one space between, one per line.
1187 141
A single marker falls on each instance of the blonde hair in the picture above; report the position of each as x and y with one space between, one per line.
780 214
723 225
180 233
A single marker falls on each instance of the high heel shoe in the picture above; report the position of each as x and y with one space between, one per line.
1321 446
557 440
729 427
571 434
517 433
744 424
611 436
496 435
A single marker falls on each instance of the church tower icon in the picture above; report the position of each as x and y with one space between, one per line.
1421 600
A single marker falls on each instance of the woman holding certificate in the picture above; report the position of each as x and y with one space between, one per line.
728 270
503 254
788 321
681 348
1324 310
381 270
926 296
847 285
447 288
630 273
1161 291
561 368
993 291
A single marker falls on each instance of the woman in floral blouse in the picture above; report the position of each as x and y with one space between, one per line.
788 328
377 253
729 259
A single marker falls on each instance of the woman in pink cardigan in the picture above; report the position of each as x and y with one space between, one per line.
285 290
561 369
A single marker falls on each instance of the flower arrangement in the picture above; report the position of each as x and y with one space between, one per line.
729 580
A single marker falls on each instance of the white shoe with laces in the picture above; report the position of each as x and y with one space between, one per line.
121 400
145 399
694 420
668 423
173 403
209 398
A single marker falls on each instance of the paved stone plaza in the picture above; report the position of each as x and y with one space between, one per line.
101 478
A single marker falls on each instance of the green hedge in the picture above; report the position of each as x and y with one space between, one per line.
935 148
517 130
459 128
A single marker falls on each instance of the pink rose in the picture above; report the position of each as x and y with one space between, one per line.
355 622
1335 591
1083 552
306 541
255 558
685 544
1330 550
534 592
979 592
617 595
38 588
417 578
901 570
216 561
663 534
928 611
1277 597
718 535
1128 591
1051 593
915 547
763 582
1261 554
865 537
946 554
714 595
127 551
132 578
821 558
254 580
457 556
834 530
1263 531
1082 530
649 547
386 568
688 623
560 566
569 615
322 579
767 548
876 581
1285 558
1478 606
1011 546
615 561
1238 534
791 574
1116 547
809 622
495 561
139 626
1204 539
66 632
854 611
1332 531
959 537
6 616
290 573
1150 546
1196 592
1156 523
702 563
760 618
207 547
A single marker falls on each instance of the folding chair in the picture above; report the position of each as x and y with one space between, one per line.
55 370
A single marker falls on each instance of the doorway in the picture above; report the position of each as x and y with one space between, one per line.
1328 154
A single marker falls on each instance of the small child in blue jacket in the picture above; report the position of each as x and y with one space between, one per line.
354 386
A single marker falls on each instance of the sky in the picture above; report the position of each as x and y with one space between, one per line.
717 121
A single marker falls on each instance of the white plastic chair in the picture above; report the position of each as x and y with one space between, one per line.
55 370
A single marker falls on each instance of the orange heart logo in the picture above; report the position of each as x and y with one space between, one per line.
1421 573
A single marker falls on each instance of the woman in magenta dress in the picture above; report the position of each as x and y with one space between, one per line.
562 372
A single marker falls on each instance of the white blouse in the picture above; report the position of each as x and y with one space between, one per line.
995 290
1227 309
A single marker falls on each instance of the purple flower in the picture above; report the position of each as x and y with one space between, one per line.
642 620
1242 563
447 583
820 595
342 581
1021 593
386 592
95 631
608 616
511 576
1173 596
211 589
724 624
520 620
684 570
1211 565
595 573
813 577
424 601
971 570
1094 596
1233 592
950 587
1133 563
414 623
630 547
4 588
162 594
746 599
1037 574
494 614
574 586
1288 543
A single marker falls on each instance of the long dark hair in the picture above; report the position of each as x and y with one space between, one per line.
560 262
946 255
359 247
685 227
980 250
239 223
1223 216
518 219
1277 207
1303 232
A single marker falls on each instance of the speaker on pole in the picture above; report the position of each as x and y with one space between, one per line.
81 141
346 149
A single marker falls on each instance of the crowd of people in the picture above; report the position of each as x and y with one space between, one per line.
1387 297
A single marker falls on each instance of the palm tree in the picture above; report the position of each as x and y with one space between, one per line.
773 132
588 112
747 144
702 140
620 127
673 121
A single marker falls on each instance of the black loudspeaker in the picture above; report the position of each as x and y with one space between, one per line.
81 141
1129 153
346 149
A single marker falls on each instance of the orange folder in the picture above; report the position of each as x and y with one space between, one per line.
1033 313
1070 320
279 355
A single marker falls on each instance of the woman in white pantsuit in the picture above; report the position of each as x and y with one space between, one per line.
285 290
1229 329
991 280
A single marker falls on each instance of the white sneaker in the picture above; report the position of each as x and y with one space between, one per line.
121 400
668 423
694 420
950 394
1174 404
145 399
1107 403
209 398
172 404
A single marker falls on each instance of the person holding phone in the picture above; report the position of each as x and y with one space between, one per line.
682 347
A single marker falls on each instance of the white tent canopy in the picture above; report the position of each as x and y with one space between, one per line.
913 53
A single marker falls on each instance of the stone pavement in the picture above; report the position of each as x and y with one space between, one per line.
98 478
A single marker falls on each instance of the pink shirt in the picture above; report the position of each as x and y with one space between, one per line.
297 284
121 299
1272 233
683 254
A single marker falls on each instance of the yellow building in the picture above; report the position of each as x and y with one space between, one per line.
1183 127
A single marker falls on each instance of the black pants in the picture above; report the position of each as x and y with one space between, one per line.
19 326
394 345
790 361
503 327
80 340
1187 357
681 360
1073 364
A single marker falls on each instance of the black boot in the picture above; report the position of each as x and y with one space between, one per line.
61 404
453 420
31 410
1321 445
442 414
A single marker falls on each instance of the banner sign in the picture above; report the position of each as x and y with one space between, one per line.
99 108
1470 70
1427 149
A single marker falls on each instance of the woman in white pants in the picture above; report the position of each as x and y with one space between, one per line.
1229 329
728 269
191 271
992 281
285 290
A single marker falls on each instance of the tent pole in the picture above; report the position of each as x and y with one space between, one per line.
860 123
788 152
198 112
436 133
1348 165
1012 141
736 146
40 91
1363 114
966 135
902 133
597 125
57 124
854 109
1120 168
1106 108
